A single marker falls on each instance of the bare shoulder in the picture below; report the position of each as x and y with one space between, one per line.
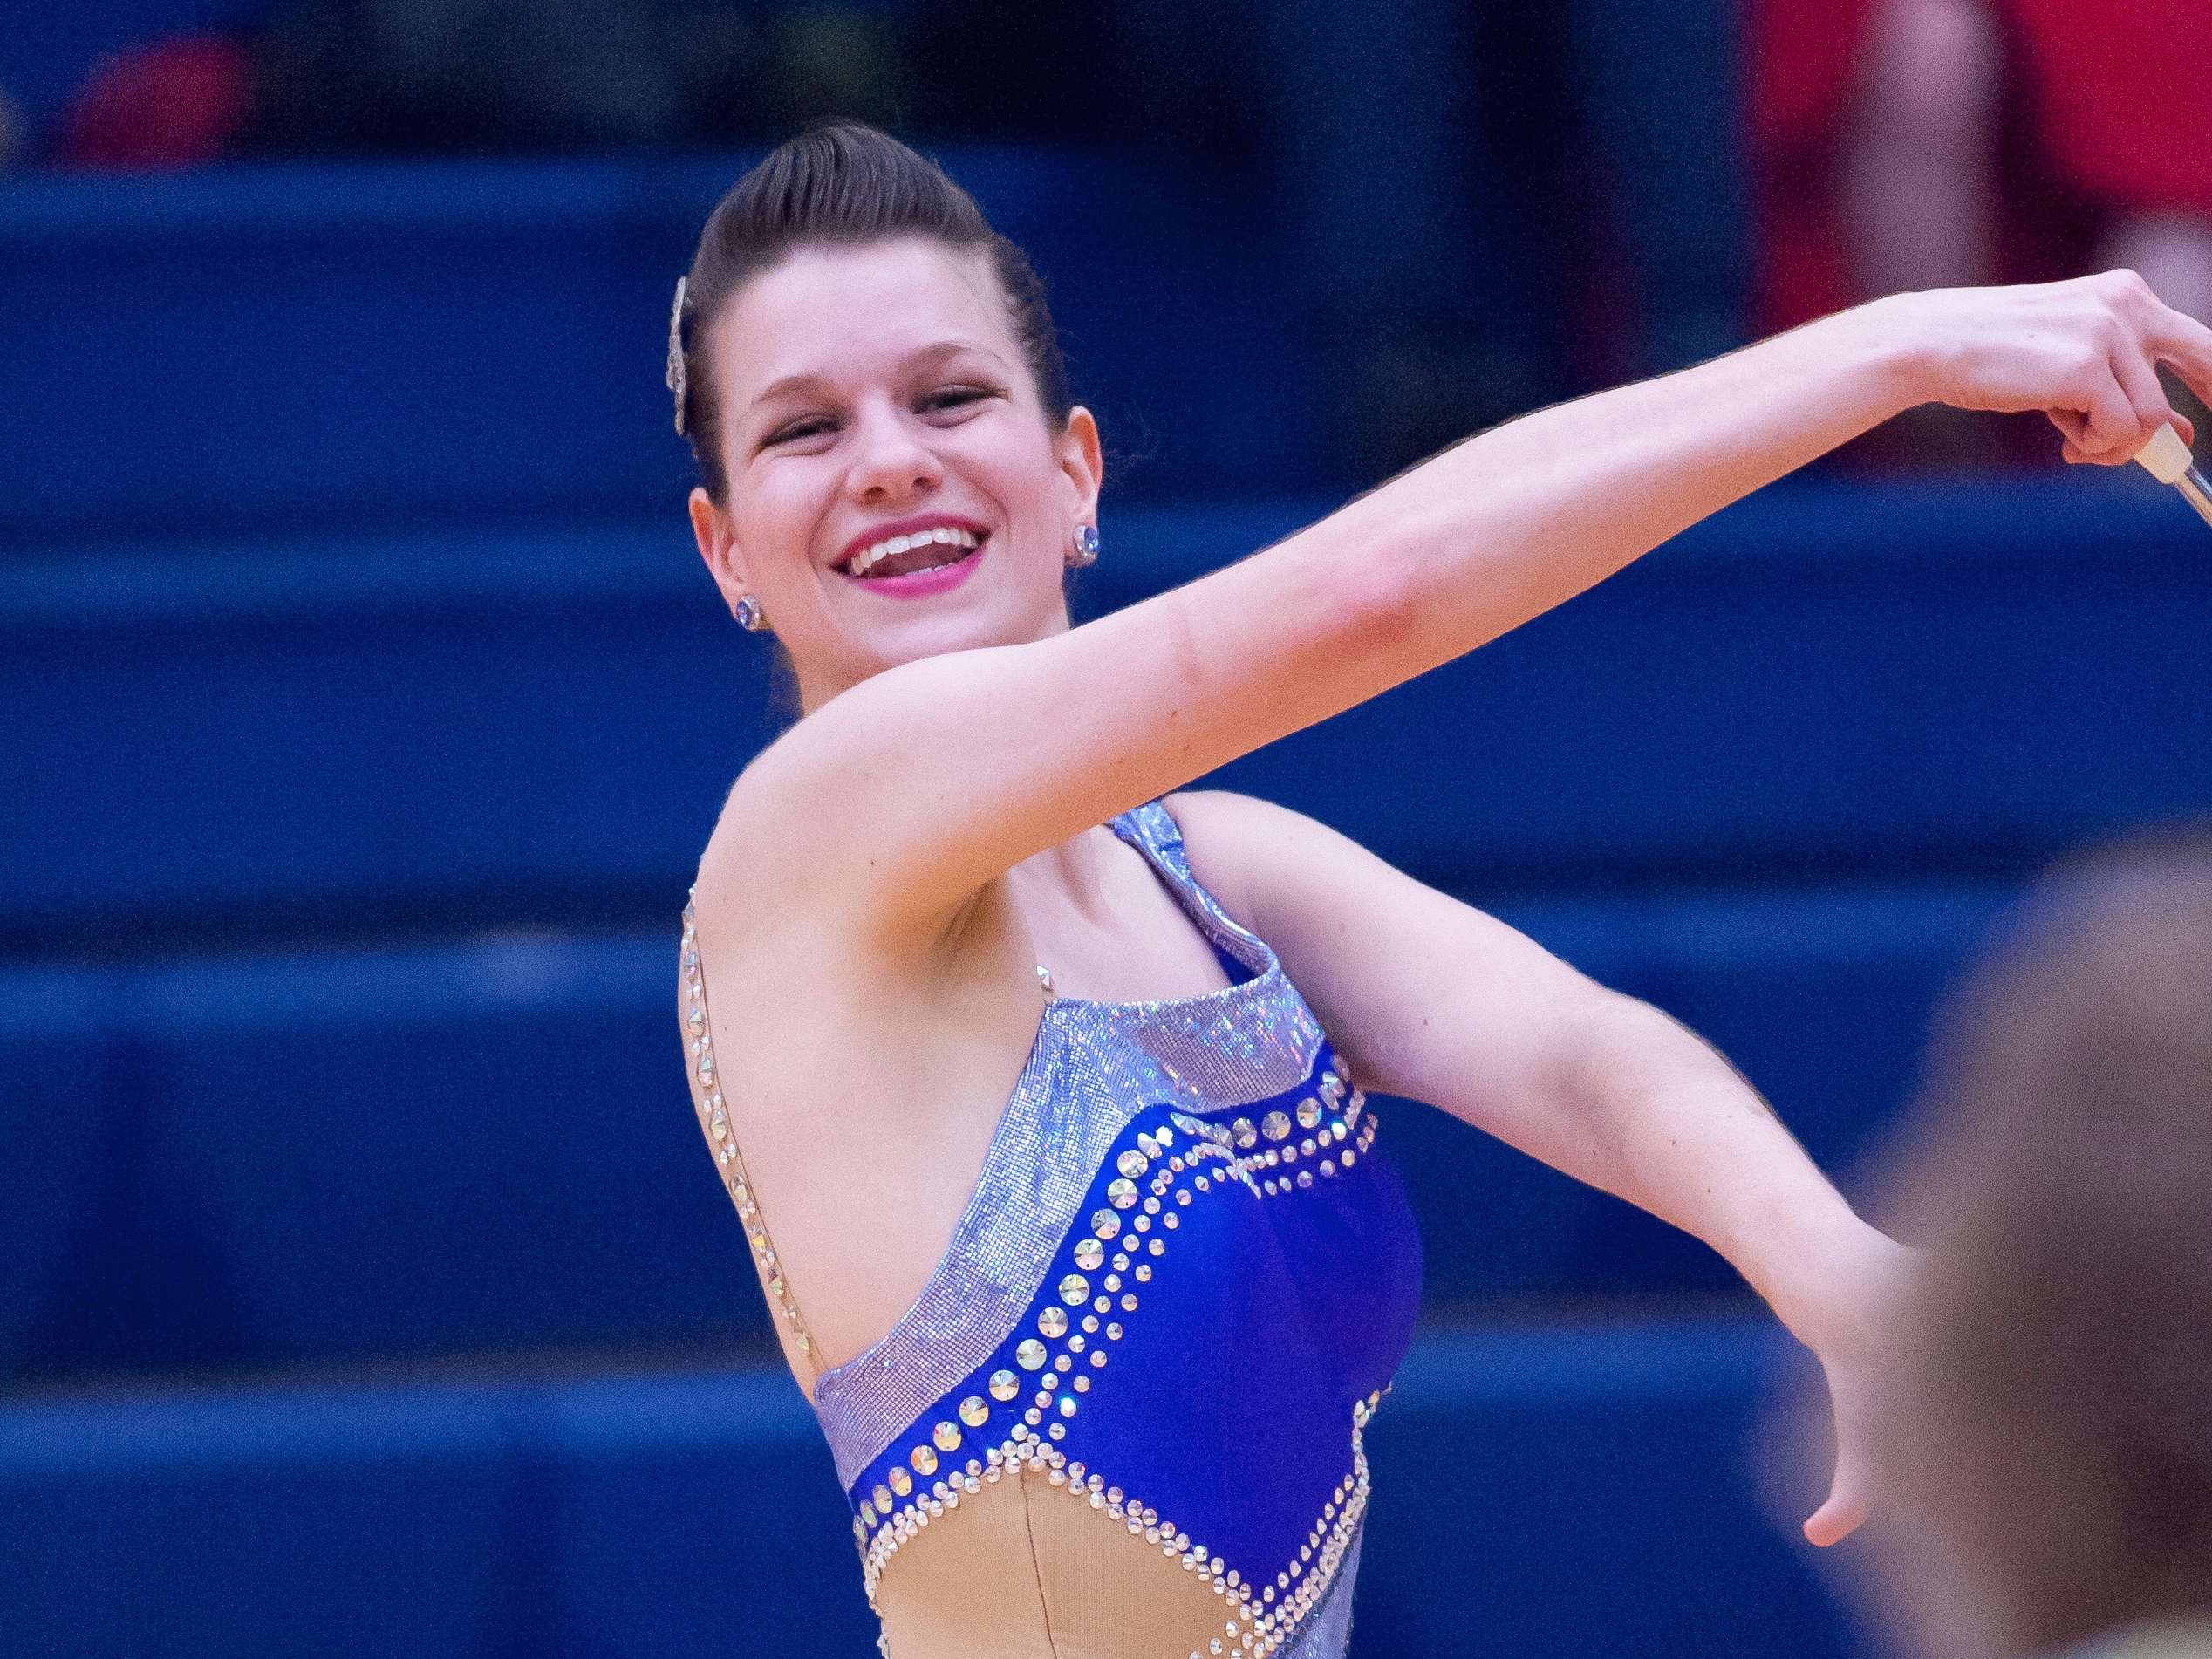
761 851
805 848
1419 990
1322 900
1218 828
781 913
884 811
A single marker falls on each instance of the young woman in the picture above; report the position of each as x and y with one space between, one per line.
1057 1164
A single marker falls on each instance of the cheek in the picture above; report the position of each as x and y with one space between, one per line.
776 523
1024 479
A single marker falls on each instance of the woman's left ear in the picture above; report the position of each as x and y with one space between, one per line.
1081 462
717 540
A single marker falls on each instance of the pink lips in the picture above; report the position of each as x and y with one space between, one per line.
921 584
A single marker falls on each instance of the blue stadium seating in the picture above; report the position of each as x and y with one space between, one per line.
272 1160
1818 683
1541 1493
347 611
311 349
46 51
1847 719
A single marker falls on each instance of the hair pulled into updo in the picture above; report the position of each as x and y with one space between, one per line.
841 185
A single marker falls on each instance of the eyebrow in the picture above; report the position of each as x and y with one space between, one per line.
925 355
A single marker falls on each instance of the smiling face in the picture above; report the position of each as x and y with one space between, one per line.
895 490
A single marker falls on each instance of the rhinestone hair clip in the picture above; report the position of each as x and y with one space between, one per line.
676 352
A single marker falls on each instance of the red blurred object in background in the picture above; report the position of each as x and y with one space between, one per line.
2105 101
169 103
1803 57
2120 90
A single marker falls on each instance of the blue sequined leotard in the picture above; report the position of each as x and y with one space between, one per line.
1183 1283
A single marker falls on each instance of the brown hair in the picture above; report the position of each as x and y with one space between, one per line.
842 184
2058 1433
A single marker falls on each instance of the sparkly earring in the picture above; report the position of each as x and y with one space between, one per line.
1085 549
749 615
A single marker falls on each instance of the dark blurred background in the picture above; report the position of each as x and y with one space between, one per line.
362 709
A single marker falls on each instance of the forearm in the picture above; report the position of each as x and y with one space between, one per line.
1640 1106
1513 521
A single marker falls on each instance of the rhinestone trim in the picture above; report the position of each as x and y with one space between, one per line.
1356 1125
1264 1618
1058 1351
1261 1622
721 1136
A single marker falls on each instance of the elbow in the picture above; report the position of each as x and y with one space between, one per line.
1603 1056
1378 599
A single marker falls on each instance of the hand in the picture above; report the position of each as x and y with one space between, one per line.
2086 352
1856 1338
1851 1494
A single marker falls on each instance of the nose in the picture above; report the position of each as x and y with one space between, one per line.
891 462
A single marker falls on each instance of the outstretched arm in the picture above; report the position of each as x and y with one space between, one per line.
1435 1001
894 803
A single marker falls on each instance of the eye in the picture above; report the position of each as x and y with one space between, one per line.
944 398
813 426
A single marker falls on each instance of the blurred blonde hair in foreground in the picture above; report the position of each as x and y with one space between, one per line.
2047 1442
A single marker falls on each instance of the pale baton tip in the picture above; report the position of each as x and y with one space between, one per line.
2166 457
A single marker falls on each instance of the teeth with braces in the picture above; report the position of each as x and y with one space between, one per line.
943 535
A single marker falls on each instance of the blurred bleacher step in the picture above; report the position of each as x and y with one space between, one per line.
277 1159
1588 1484
300 347
1820 685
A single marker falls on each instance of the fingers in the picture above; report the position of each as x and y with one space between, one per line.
1838 1517
2120 405
2185 345
2125 404
2086 352
2074 429
2171 338
1851 1492
2136 374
